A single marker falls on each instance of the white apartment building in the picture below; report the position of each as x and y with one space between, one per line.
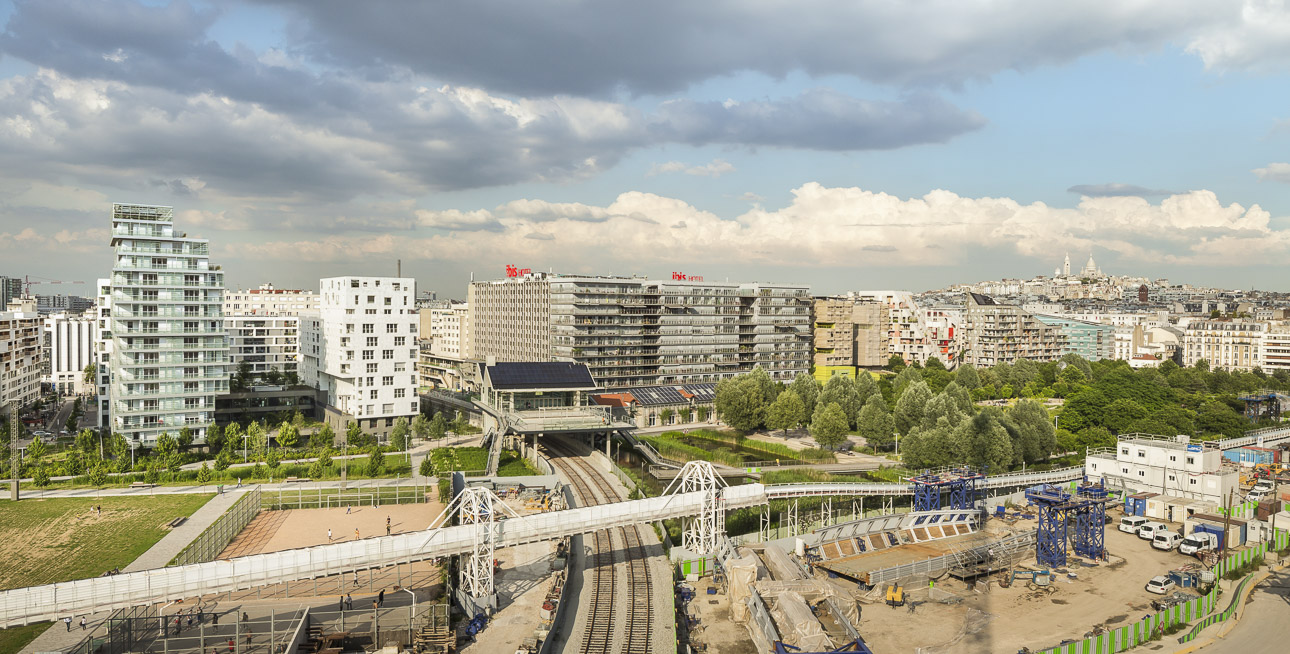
449 329
632 331
20 358
1171 466
69 348
359 349
103 351
267 300
169 350
915 333
264 342
1230 344
1274 349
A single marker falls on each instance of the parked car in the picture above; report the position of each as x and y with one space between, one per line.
1149 530
1166 540
1130 524
1161 585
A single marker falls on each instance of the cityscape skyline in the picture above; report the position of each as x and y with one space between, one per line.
840 162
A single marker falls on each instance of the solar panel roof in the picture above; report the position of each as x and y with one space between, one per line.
658 395
542 374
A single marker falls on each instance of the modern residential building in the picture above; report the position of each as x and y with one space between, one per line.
10 290
264 342
1002 333
915 333
849 334
63 303
1090 340
1171 466
447 328
69 349
103 351
21 359
632 331
1229 344
267 300
359 349
169 353
1274 349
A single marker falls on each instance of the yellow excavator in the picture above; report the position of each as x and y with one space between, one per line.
895 596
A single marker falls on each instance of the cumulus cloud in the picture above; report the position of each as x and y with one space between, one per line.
1116 190
1274 172
1253 35
825 226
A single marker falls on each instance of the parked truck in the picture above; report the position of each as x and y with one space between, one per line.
1198 542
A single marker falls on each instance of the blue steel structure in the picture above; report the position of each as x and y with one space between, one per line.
960 483
857 645
1263 405
1057 507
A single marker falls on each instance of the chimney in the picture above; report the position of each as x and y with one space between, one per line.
398 267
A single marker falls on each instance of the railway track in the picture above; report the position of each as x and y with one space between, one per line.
603 622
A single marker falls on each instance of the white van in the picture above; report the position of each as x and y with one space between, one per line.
1166 540
1149 530
1258 495
1130 524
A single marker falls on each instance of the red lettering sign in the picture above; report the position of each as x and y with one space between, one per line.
682 277
512 271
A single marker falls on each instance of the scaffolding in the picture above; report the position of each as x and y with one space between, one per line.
1264 405
1057 508
699 532
961 485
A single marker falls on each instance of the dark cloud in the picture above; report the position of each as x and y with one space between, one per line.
1116 190
594 47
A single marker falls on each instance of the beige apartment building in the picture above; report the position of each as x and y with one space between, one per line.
1002 333
850 333
1230 344
21 357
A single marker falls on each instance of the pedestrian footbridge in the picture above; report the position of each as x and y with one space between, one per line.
53 601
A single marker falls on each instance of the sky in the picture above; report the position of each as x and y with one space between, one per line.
845 145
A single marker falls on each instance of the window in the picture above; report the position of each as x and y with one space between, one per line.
1192 482
1173 458
371 299
372 394
398 366
400 340
367 355
1142 473
353 283
1124 450
416 406
399 392
1142 454
371 367
392 328
1172 478
387 354
387 380
371 381
368 328
371 341
387 302
1191 459
349 328
387 408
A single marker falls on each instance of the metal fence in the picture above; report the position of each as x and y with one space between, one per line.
211 542
318 497
123 631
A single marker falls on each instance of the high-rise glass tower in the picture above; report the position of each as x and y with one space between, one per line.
169 350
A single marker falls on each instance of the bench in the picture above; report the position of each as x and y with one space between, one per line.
141 484
292 480
178 521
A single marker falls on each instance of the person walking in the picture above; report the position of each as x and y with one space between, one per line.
387 525
380 598
342 603
329 534
356 577
199 615
349 600
356 536
68 622
82 623
215 618
347 509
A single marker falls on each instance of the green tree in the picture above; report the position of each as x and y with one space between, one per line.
1037 436
273 376
1121 414
353 435
87 443
910 406
185 439
986 442
875 423
173 462
256 441
421 426
759 376
325 457
120 452
685 414
905 378
829 425
895 363
665 416
786 412
316 470
322 439
72 422
272 460
427 467
941 406
165 445
808 389
1216 418
214 438
234 438
967 377
153 473
37 449
375 462
438 426
223 460
204 474
841 390
741 402
88 373
399 434
41 476
865 387
288 435
961 397
97 474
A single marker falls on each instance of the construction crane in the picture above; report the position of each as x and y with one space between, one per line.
28 283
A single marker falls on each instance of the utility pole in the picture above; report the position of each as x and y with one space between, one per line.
1227 522
14 466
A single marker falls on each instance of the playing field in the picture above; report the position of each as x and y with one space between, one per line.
53 540
274 531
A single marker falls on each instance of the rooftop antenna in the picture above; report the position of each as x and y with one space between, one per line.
398 267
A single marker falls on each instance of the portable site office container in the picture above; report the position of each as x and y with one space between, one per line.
1136 504
1251 455
1214 524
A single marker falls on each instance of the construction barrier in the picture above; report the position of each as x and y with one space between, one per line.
1153 626
211 542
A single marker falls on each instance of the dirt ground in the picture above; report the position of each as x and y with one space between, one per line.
274 531
715 629
994 619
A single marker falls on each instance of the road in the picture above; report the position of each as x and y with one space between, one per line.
1264 623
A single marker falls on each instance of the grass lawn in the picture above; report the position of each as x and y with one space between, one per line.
14 639
63 539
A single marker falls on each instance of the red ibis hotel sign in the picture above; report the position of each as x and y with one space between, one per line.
512 271
682 277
